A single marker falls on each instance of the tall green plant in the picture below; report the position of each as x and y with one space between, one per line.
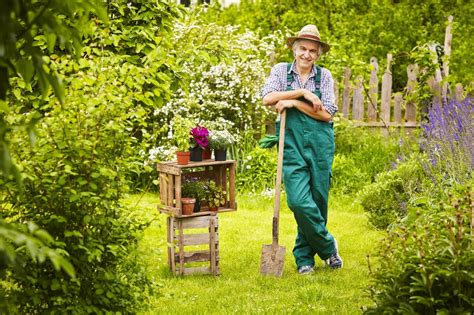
426 267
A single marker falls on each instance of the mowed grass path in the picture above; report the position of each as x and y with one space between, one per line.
240 289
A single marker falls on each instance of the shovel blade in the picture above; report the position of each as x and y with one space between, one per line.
273 258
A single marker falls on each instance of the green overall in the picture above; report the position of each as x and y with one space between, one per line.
308 156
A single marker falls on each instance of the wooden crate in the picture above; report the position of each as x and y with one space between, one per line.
180 236
172 175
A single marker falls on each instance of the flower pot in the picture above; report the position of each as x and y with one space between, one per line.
182 157
187 205
213 208
196 154
197 206
206 154
220 155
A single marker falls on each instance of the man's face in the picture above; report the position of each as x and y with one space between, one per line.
306 52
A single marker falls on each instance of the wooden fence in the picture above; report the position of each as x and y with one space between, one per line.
368 107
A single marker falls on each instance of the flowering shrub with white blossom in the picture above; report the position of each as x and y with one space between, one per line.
220 79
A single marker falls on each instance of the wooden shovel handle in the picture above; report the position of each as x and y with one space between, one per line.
281 147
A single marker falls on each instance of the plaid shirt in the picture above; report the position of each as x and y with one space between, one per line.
276 82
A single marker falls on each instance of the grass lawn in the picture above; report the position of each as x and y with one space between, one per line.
240 288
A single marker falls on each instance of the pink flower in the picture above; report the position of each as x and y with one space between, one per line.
200 136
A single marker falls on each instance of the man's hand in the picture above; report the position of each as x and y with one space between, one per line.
315 101
281 105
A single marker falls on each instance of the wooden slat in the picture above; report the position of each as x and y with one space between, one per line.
196 270
358 100
196 256
181 244
232 204
397 107
436 89
194 239
410 107
390 124
447 54
170 192
386 92
196 222
177 190
171 244
168 169
212 240
169 210
458 92
163 188
346 93
373 91
224 182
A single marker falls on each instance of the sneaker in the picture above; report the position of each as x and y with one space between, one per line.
335 261
305 270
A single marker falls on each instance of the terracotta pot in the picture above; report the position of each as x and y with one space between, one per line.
182 157
196 154
207 154
220 155
187 205
213 208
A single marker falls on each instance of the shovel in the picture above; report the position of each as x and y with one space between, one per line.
273 256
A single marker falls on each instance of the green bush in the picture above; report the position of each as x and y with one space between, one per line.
258 169
361 154
347 176
73 179
426 267
388 198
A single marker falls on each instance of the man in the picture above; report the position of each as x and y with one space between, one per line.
306 92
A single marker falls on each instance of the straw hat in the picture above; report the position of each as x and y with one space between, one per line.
309 32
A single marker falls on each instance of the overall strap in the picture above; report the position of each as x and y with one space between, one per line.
317 81
290 79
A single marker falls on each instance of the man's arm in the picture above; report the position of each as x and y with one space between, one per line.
273 97
305 108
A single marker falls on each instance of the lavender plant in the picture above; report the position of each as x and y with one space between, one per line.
448 138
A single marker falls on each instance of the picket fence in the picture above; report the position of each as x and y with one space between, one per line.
366 107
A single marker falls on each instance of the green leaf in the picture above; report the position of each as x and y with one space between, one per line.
58 87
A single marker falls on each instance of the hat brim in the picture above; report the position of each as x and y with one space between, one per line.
291 40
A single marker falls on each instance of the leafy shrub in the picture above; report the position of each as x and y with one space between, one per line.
388 197
347 176
360 155
427 266
73 180
258 170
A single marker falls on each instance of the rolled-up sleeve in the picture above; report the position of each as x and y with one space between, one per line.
327 92
276 81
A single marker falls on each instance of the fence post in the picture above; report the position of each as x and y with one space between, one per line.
373 91
397 107
410 110
358 100
458 92
386 92
447 54
346 93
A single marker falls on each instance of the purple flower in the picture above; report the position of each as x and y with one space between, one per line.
449 137
199 136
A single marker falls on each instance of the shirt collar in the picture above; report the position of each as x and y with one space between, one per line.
293 69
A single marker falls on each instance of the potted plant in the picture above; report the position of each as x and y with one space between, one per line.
199 142
187 205
181 127
220 140
194 189
214 196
